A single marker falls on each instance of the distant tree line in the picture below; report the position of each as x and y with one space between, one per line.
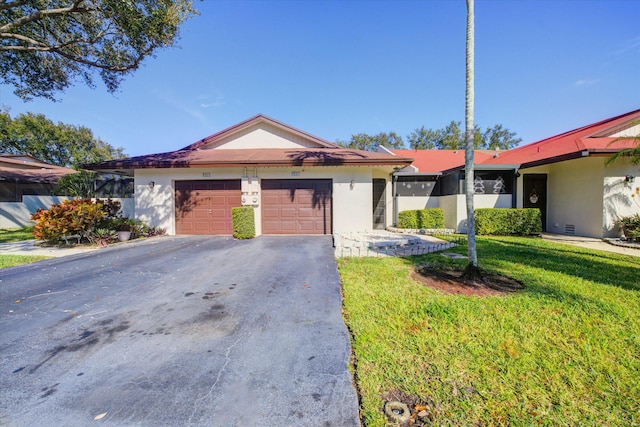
56 143
449 138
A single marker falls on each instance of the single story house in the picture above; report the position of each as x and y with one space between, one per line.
297 183
565 176
22 175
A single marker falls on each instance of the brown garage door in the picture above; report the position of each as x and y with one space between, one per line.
204 207
296 206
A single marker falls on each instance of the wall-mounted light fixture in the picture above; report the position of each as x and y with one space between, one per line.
352 184
629 178
151 184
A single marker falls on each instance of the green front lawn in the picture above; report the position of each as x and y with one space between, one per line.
16 234
13 260
563 351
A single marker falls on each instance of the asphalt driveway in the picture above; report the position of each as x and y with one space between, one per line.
178 331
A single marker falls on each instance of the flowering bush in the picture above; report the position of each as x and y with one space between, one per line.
72 218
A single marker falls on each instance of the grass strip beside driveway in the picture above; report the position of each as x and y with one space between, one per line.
16 234
563 351
13 260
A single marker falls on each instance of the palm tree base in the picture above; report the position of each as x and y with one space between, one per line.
472 272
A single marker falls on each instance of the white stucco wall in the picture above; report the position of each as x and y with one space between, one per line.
352 203
414 203
262 135
587 194
621 197
455 211
18 214
574 195
455 206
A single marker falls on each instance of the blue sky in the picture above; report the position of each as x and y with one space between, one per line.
336 68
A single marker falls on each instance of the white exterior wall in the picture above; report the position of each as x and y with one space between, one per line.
574 195
617 194
262 135
455 207
352 204
455 211
417 202
18 214
587 194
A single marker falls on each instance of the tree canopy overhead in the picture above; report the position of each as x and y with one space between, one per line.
59 144
365 142
46 45
452 137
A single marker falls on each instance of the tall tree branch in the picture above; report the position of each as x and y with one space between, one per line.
36 16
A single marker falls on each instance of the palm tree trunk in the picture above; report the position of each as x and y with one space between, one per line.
472 270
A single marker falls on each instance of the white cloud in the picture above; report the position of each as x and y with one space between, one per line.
630 45
586 82
218 102
168 97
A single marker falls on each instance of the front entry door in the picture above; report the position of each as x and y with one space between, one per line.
534 188
379 202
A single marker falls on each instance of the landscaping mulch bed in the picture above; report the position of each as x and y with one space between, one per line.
450 280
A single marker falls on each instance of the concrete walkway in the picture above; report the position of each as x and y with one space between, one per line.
32 247
591 243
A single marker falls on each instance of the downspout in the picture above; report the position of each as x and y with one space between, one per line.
514 196
394 179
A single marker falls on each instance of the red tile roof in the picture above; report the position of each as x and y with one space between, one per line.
590 139
435 161
573 144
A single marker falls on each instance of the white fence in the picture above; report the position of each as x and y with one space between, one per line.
16 214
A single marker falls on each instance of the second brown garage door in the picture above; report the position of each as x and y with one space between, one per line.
296 206
204 207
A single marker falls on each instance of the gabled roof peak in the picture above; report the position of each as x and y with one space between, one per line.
256 120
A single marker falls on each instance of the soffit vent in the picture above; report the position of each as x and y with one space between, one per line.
570 229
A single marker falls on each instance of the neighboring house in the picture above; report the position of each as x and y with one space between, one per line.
22 175
565 176
297 183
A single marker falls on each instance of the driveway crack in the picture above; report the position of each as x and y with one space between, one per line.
227 358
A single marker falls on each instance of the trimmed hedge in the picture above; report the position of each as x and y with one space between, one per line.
502 221
421 218
244 225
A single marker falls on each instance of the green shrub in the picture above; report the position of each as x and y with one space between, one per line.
421 218
505 222
118 223
630 226
244 226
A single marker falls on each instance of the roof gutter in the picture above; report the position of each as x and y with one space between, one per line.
399 173
556 159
